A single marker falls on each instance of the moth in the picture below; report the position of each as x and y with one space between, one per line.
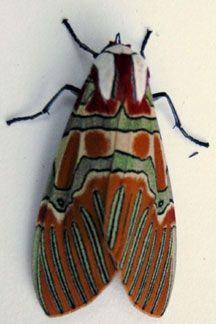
108 206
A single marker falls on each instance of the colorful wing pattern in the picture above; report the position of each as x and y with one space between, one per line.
108 205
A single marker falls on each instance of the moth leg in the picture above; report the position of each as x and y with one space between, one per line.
77 40
145 41
178 124
45 110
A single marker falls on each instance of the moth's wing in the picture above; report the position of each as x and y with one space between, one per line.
140 219
71 263
148 261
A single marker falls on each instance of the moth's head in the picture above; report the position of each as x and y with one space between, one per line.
116 47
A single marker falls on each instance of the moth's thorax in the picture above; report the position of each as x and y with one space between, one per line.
122 73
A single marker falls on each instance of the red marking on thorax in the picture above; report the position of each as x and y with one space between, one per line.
124 88
123 91
124 83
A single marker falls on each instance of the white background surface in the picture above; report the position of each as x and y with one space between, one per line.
37 57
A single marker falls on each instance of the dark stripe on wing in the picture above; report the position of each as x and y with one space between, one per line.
95 242
59 268
36 267
146 273
141 259
156 268
73 269
98 206
82 252
135 244
49 278
115 217
131 226
164 273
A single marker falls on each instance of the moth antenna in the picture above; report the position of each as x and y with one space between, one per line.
145 41
77 40
118 38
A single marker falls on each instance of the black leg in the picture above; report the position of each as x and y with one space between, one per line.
45 110
159 95
144 43
77 40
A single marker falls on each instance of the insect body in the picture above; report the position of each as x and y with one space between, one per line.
108 206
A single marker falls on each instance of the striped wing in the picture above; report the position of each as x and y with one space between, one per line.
143 243
71 262
140 218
